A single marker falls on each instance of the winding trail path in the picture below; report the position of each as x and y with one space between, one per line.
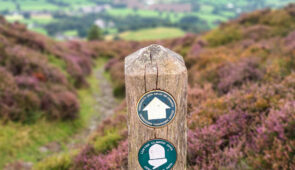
105 102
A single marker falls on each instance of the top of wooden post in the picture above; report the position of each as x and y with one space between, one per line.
157 57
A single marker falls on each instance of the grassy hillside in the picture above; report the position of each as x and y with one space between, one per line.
47 91
241 97
44 94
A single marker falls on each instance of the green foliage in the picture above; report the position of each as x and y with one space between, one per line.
59 63
108 141
56 162
94 33
222 36
119 90
62 66
19 142
193 24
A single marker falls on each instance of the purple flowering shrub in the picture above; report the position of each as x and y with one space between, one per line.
274 143
15 104
219 145
115 159
77 55
32 88
290 41
31 85
235 74
251 127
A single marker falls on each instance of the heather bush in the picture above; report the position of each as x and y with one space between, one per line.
40 74
205 68
61 105
257 32
35 80
221 144
72 53
115 159
250 98
182 45
16 104
238 140
275 140
252 18
290 41
111 63
249 130
281 21
197 95
82 160
28 82
235 74
194 53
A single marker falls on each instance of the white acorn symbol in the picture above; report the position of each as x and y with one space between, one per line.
157 156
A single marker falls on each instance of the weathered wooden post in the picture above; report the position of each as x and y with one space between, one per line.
156 92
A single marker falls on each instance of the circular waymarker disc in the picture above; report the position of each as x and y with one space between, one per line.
157 154
156 108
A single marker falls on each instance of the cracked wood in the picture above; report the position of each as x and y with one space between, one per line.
156 68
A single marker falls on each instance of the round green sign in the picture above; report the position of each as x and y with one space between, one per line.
156 108
157 154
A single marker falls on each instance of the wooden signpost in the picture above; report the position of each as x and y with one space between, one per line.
156 93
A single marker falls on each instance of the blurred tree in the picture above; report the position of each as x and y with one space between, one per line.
117 37
27 15
193 24
18 7
95 33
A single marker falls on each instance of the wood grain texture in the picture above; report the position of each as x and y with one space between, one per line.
156 68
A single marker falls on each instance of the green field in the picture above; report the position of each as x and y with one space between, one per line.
42 5
71 33
13 18
39 30
152 34
125 11
205 13
209 13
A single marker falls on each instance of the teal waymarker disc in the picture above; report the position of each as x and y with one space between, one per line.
156 108
157 154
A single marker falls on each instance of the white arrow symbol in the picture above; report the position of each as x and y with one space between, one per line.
156 109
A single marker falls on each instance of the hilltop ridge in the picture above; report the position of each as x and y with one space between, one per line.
241 97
